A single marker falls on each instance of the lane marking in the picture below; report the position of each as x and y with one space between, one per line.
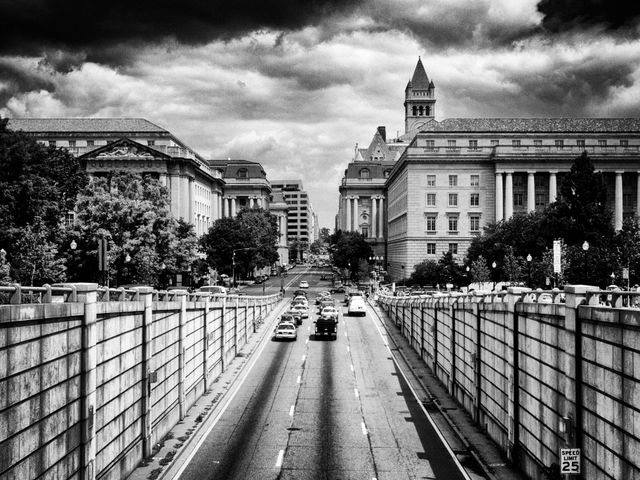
307 341
280 459
298 380
304 357
415 395
351 367
291 410
345 334
364 428
348 349
355 390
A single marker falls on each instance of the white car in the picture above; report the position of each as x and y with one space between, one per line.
304 284
301 310
330 312
285 330
356 306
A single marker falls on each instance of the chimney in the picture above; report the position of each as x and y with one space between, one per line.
383 133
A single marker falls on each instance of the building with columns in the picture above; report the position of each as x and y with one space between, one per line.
245 185
453 177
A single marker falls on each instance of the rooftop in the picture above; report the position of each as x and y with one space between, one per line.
68 125
533 125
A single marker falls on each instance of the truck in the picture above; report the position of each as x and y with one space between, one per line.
326 325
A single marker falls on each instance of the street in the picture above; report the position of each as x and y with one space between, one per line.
323 409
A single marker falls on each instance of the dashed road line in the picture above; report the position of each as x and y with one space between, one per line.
364 428
280 459
291 410
355 390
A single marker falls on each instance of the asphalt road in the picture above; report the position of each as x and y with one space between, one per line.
323 409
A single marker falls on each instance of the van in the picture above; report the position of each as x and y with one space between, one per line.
356 306
213 289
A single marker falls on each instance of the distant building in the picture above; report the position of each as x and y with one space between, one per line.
454 177
302 224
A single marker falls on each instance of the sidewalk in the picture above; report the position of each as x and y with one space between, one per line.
447 413
179 442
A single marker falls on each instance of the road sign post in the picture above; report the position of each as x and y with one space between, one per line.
569 461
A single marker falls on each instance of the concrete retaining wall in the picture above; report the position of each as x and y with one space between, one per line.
538 377
88 387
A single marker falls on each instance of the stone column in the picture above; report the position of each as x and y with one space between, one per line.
374 217
380 226
234 205
348 229
190 209
224 207
531 191
553 186
618 204
356 215
163 179
508 196
499 198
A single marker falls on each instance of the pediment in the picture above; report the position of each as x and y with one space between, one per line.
125 149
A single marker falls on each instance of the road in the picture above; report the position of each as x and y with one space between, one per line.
323 409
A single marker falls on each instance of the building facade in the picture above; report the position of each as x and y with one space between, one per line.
302 226
456 176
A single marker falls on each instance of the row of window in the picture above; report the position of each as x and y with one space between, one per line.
517 143
474 200
474 180
452 220
91 143
431 248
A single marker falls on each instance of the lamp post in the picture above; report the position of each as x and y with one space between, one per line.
493 274
529 258
585 249
73 245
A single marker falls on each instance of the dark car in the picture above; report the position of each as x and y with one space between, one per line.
292 317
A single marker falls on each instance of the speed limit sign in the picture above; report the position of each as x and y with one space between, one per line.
569 461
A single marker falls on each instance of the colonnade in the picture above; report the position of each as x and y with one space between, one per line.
352 209
504 194
230 204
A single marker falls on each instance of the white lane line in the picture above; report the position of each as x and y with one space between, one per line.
298 380
291 410
355 390
364 428
348 350
345 334
280 459
307 341
304 357
424 410
351 367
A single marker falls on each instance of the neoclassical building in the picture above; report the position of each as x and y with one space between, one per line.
455 176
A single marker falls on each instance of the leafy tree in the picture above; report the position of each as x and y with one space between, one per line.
427 272
146 244
5 269
513 266
479 270
450 271
35 260
324 235
349 249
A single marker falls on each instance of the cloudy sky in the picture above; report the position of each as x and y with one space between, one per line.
294 84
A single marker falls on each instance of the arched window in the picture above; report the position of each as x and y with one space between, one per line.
427 111
364 173
386 173
242 173
415 110
421 110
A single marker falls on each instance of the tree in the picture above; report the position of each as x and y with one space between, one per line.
349 249
5 269
426 272
253 235
146 244
38 186
479 270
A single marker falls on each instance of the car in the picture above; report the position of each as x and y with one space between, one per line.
300 299
300 293
322 295
300 310
304 284
291 317
327 302
330 311
295 314
350 295
285 331
356 306
213 289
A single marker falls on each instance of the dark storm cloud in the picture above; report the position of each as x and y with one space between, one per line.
564 15
99 27
16 79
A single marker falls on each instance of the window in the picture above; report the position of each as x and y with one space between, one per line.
515 143
624 143
431 199
364 173
474 223
580 143
431 223
540 199
151 143
475 181
453 223
52 143
242 173
451 144
430 144
495 143
89 143
517 199
72 143
386 173
559 144
431 248
453 180
431 180
453 199
453 248
474 200
602 143
473 145
537 143
69 219
627 200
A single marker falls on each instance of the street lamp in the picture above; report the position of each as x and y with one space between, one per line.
529 258
493 274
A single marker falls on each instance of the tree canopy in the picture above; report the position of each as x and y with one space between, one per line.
349 249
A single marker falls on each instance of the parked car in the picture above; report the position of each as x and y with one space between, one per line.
285 331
